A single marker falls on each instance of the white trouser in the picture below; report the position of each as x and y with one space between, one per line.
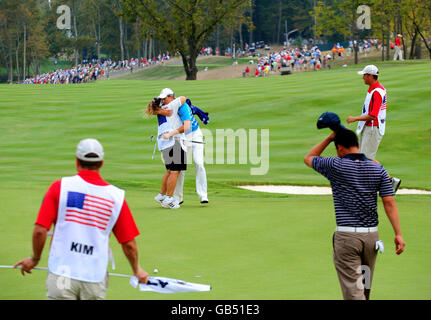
398 53
195 151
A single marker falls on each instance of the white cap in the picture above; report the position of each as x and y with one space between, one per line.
370 69
166 92
87 146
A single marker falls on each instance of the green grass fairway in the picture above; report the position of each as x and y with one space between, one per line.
247 245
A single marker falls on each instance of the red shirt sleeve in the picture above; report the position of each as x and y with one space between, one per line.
49 209
125 228
375 104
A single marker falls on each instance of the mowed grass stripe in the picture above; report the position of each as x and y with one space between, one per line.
282 104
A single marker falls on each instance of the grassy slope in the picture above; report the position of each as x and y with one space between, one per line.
173 71
244 240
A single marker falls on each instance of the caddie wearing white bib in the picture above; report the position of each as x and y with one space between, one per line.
372 122
85 209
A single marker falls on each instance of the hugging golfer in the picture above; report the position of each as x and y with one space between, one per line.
355 182
196 149
85 209
170 138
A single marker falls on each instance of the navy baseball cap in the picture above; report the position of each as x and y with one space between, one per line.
330 120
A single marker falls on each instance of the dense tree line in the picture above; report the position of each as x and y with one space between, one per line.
29 34
410 18
122 29
99 28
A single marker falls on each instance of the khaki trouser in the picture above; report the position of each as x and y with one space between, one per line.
369 141
354 259
63 288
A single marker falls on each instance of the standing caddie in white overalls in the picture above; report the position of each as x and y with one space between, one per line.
372 122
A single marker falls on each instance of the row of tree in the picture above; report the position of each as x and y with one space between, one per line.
122 29
410 18
29 34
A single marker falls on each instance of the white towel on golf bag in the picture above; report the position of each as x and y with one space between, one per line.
168 285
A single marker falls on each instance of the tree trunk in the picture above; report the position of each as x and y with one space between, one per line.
241 44
75 28
37 66
125 41
98 51
17 60
387 44
383 45
355 35
250 40
400 28
217 40
424 40
96 28
138 53
231 41
145 53
10 68
418 50
120 24
24 54
138 41
150 48
402 39
99 35
280 7
189 63
412 48
356 48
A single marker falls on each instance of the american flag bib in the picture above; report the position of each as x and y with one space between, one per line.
382 112
86 215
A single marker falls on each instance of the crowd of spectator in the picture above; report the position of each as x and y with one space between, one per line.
308 59
93 70
297 59
207 51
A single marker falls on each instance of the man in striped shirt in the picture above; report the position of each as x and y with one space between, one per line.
355 182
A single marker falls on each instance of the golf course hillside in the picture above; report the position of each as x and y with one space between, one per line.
209 67
245 244
226 67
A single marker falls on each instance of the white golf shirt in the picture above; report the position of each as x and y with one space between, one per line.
175 120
